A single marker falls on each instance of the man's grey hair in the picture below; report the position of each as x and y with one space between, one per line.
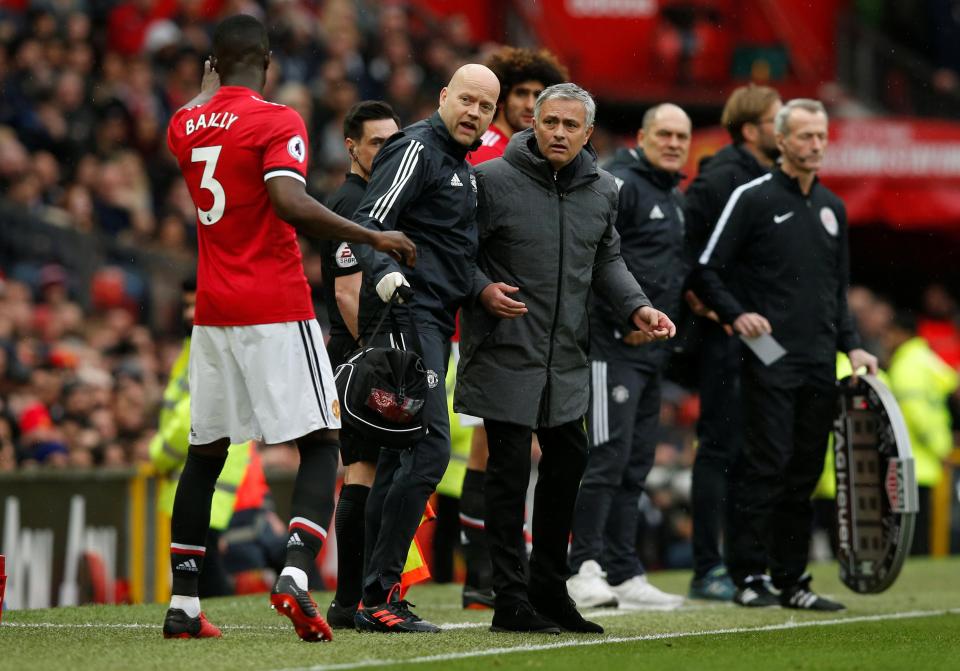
807 104
567 91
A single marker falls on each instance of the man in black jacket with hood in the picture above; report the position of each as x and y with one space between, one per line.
625 371
748 116
547 238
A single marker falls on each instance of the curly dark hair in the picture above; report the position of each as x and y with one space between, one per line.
514 66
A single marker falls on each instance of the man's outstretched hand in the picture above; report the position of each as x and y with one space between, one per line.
653 324
495 300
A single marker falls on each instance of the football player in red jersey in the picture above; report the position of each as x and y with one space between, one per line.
523 74
258 368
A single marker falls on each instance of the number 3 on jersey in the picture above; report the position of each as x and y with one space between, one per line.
209 156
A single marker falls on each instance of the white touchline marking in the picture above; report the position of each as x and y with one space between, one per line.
249 627
121 625
627 639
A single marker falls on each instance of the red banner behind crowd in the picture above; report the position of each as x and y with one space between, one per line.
905 173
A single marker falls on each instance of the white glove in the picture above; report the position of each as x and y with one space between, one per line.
388 284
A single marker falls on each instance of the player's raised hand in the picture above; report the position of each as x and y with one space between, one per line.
397 245
211 78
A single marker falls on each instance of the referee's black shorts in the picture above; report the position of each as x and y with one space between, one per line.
352 447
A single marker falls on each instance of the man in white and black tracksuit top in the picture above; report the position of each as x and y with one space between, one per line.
626 371
421 185
778 263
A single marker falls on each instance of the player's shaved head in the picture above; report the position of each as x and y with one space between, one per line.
240 45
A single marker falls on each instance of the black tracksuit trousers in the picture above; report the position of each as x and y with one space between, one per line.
788 412
564 456
404 481
719 440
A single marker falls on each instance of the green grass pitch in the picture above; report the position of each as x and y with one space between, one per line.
915 625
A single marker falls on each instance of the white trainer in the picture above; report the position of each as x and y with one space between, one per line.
589 588
638 594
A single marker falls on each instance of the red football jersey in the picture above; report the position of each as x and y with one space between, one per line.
492 145
249 270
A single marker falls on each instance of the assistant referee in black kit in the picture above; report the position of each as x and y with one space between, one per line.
777 263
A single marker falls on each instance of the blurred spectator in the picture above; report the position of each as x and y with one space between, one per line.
940 324
922 382
872 315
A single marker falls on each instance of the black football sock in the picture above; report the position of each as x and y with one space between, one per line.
191 520
312 501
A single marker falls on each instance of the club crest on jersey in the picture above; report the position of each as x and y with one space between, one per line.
296 149
473 182
345 257
432 378
829 221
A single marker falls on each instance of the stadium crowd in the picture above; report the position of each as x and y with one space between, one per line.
88 90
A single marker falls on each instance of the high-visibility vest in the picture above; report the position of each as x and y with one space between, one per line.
922 382
452 482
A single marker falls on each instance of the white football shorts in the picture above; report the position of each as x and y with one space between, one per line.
265 381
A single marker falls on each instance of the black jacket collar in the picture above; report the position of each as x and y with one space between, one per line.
451 146
791 183
635 160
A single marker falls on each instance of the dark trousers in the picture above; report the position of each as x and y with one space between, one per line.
564 455
404 481
622 422
786 433
921 527
446 538
719 440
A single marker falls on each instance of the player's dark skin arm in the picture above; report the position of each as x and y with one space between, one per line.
294 205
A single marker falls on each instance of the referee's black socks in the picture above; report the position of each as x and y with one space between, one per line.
349 524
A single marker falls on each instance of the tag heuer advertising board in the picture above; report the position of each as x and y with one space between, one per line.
877 496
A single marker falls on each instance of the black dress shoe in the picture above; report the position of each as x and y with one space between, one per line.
562 610
522 618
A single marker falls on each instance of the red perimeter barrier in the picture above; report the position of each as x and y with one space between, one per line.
902 172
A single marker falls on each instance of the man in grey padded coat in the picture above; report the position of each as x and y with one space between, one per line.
546 217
